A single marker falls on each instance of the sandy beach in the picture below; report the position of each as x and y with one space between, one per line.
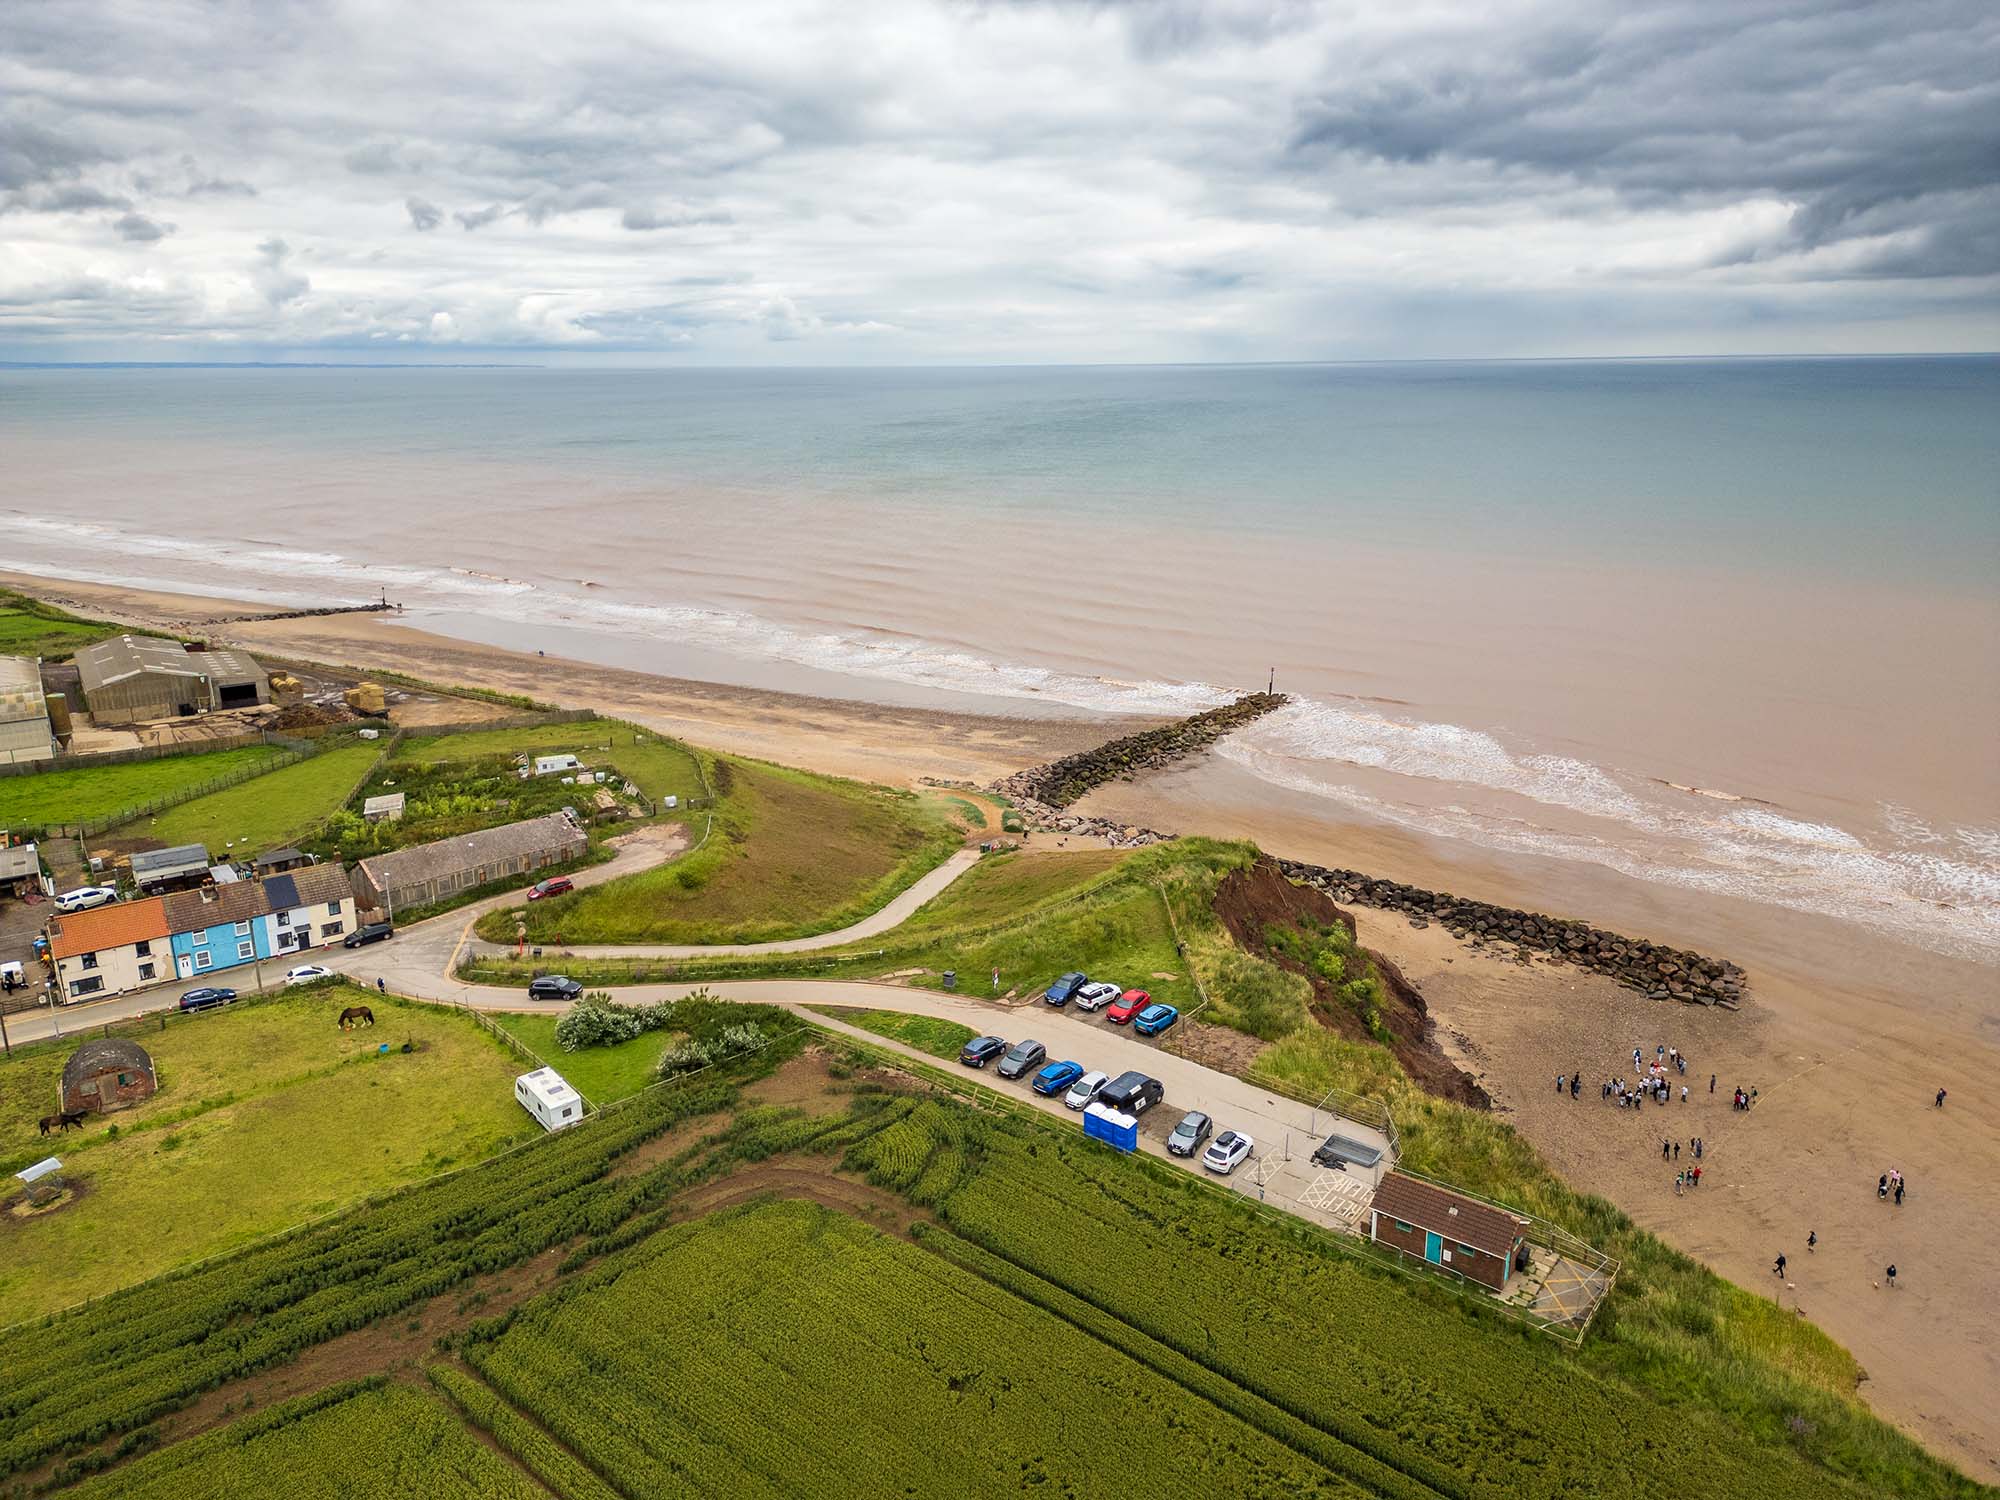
1846 1035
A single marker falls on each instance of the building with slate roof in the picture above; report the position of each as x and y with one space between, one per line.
425 873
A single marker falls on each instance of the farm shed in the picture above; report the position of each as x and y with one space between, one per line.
386 808
25 733
20 869
179 868
277 861
547 1095
106 1074
1448 1230
424 873
131 678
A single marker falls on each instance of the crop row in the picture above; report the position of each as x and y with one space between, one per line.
788 1349
151 1348
359 1441
537 1452
1461 1403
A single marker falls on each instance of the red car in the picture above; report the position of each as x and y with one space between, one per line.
555 885
1129 1005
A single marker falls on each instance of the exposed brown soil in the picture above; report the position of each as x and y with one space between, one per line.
1251 902
802 1083
1222 1048
814 1178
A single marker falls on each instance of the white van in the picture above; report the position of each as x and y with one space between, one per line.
548 1097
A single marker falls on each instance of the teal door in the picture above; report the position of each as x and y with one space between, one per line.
1433 1248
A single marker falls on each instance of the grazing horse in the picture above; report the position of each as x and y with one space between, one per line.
357 1013
67 1119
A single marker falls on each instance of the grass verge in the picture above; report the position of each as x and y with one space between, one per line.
932 1034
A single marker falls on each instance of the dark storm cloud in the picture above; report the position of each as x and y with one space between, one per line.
142 230
1871 120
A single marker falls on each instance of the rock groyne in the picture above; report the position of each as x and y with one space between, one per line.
1061 782
1653 969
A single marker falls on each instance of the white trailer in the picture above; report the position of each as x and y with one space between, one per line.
550 765
548 1097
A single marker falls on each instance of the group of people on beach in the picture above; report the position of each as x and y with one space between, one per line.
1652 1079
1743 1100
1889 1182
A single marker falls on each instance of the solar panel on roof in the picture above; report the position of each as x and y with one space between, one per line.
283 891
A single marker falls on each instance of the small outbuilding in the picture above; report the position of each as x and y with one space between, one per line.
547 1095
550 765
43 1181
386 808
107 1074
180 868
1447 1229
277 861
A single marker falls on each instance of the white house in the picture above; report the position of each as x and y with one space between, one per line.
550 765
309 908
545 1095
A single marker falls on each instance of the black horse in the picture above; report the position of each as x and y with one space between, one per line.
68 1119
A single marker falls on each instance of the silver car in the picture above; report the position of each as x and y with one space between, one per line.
1085 1089
1097 996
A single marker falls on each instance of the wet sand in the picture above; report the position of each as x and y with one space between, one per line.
1847 1036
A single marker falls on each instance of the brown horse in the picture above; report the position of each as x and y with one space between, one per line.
67 1119
357 1013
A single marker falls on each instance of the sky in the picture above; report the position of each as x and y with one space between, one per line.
892 182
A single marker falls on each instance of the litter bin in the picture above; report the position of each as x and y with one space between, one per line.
951 979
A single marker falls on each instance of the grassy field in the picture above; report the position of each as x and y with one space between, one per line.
267 1114
268 812
600 1074
29 627
659 766
708 1355
350 1441
89 794
932 1034
1048 1315
791 854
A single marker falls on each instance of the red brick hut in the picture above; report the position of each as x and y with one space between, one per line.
1446 1229
107 1074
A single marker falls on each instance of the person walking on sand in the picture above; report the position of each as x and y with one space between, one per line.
1892 1275
1882 1186
1680 1181
1665 1151
1899 1193
1940 1099
1677 1150
1711 1083
1684 1093
1778 1270
1812 1240
1576 1084
1694 1178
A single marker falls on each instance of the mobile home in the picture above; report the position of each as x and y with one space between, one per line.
545 1095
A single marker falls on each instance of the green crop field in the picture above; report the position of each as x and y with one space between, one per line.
706 1352
1058 1318
29 627
90 794
932 1034
791 854
355 1443
273 810
267 1114
658 766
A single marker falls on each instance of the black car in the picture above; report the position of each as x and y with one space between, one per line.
554 987
1025 1058
207 997
981 1050
1131 1093
1194 1128
366 933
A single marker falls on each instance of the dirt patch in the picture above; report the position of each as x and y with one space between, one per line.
1252 902
1222 1048
802 1083
663 1147
812 1178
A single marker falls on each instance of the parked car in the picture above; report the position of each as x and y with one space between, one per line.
1064 989
1129 1005
1056 1077
1025 1055
1155 1019
1131 1093
1194 1128
84 897
555 885
554 987
1096 996
368 932
307 974
1227 1152
981 1050
206 998
1085 1089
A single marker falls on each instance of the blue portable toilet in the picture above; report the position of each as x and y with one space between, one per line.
1103 1123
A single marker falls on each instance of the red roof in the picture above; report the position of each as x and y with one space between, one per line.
113 926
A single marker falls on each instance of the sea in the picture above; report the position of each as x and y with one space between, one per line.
1728 625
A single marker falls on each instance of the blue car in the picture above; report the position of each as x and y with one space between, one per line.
1056 1077
1064 989
1155 1019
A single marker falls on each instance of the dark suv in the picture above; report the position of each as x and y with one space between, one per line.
554 987
368 932
1025 1058
981 1050
1131 1093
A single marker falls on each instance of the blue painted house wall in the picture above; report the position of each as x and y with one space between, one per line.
221 942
